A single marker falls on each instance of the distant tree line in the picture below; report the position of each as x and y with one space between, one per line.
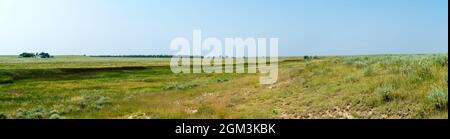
310 57
35 55
144 56
136 56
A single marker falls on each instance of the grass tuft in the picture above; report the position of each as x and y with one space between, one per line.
3 115
180 86
368 71
438 98
385 92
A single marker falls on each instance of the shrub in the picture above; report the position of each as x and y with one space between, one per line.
385 91
3 116
440 60
66 110
43 112
176 86
347 62
20 114
368 71
171 86
93 102
56 116
423 72
405 69
98 104
221 80
360 64
102 101
438 98
421 113
36 113
54 112
82 105
350 79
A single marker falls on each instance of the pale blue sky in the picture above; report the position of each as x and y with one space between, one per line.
304 27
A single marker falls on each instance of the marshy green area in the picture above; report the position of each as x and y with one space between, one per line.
377 86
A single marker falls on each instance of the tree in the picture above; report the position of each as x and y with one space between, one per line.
306 57
31 55
44 55
27 55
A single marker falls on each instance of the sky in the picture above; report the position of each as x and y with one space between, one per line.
304 27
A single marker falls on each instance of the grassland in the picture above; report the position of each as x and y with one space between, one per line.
378 86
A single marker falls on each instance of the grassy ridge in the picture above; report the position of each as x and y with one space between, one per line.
383 86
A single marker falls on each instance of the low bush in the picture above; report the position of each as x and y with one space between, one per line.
368 71
360 64
56 116
440 60
35 113
405 69
3 116
423 72
438 99
351 79
100 102
221 80
176 86
93 102
385 92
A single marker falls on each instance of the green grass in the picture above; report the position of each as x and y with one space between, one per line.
12 62
378 86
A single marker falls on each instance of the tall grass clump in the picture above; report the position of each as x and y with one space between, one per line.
100 102
93 102
350 79
423 72
220 80
385 92
177 86
40 112
405 69
3 116
36 113
438 99
360 64
368 71
440 60
56 116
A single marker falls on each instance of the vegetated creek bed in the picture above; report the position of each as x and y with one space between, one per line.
10 76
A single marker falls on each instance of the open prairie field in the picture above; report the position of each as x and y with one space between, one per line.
377 86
